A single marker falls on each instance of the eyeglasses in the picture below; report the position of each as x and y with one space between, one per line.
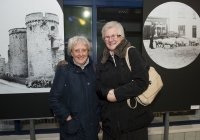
106 38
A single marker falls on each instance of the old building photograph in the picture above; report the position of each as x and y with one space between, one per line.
171 35
32 45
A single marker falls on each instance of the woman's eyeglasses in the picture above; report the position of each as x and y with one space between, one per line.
106 38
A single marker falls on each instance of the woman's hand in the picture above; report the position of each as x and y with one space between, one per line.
69 118
111 96
100 126
100 123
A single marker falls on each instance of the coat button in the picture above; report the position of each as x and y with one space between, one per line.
88 83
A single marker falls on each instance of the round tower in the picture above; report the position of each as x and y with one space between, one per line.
41 53
2 66
17 56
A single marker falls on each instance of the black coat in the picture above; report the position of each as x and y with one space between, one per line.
117 117
73 93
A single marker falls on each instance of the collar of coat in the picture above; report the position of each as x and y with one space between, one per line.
61 63
70 60
120 51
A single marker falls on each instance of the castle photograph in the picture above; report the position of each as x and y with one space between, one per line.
31 48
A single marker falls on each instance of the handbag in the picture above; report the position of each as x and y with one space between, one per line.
155 85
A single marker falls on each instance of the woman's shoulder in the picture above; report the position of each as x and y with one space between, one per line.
100 58
62 65
133 51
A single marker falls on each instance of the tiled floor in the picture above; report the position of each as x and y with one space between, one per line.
37 137
153 131
191 131
27 137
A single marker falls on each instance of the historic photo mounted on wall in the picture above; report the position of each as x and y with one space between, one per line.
171 35
32 42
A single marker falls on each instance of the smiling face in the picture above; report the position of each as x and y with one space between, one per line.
112 38
80 54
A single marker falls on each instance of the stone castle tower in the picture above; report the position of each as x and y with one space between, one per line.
2 66
43 51
17 52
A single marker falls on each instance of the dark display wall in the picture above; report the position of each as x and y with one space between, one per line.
24 106
181 86
180 92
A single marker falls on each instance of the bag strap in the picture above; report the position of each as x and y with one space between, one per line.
129 66
129 103
127 57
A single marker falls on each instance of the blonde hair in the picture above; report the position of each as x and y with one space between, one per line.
78 40
113 24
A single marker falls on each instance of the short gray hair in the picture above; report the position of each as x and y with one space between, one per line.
78 40
113 24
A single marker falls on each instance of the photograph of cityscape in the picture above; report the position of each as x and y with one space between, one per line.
171 35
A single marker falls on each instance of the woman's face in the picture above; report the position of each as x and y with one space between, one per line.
112 38
80 54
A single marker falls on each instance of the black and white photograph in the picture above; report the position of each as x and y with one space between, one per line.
32 43
171 35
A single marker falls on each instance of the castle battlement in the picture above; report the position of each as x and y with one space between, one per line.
35 17
17 31
28 46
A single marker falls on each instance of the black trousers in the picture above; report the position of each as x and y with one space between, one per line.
139 134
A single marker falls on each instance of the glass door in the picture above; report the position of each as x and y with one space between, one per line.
77 22
131 20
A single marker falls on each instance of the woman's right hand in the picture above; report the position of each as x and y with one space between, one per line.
111 96
69 118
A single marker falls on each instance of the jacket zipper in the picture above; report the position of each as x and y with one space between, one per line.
119 127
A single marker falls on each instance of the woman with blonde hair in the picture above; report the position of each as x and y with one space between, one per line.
72 96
